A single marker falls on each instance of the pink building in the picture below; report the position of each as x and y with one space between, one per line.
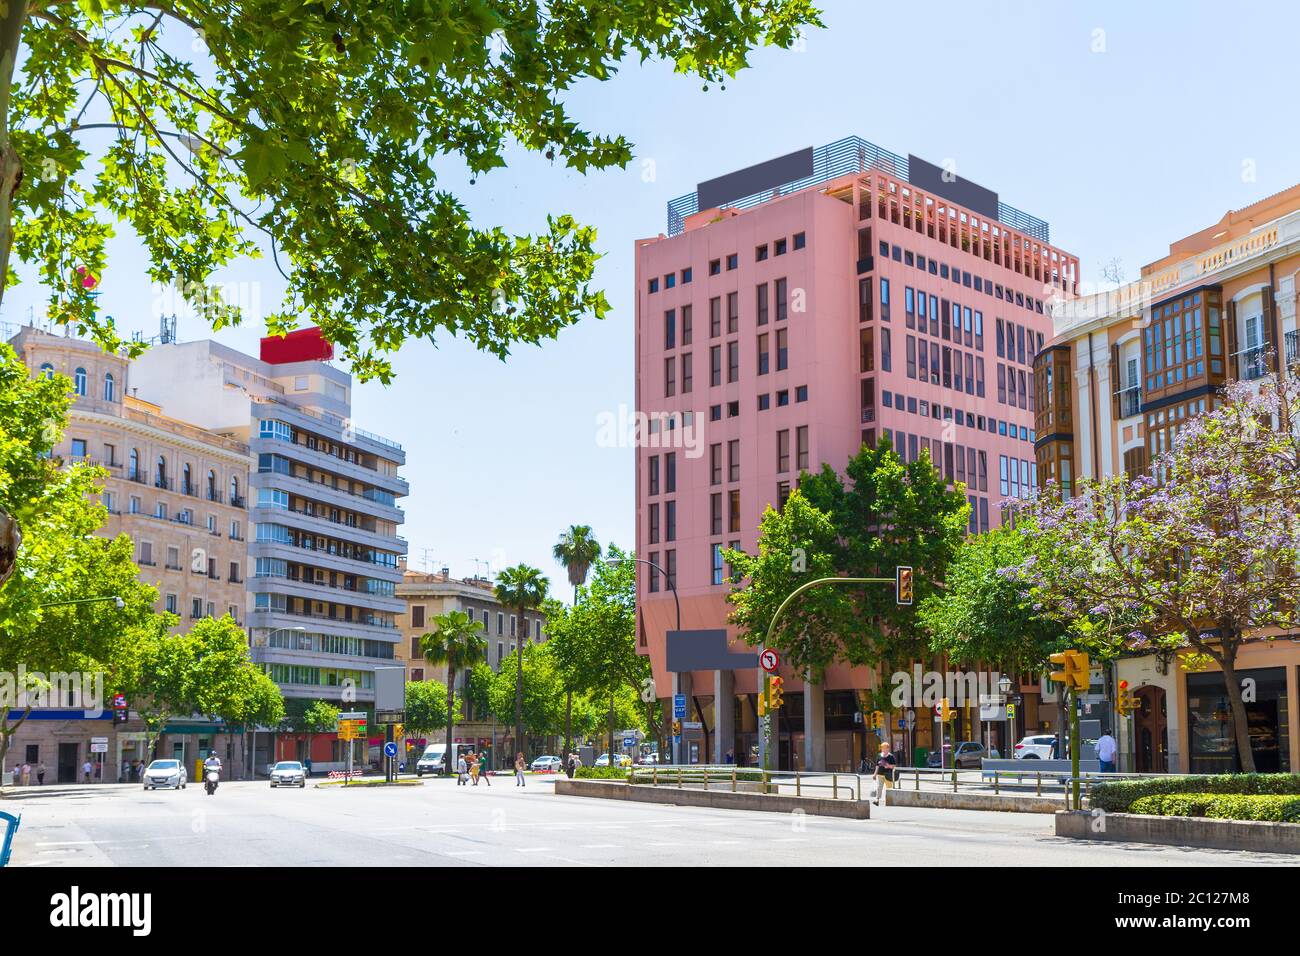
795 310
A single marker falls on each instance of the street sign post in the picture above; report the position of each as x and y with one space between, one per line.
679 706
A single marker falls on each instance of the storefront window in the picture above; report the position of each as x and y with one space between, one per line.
1210 729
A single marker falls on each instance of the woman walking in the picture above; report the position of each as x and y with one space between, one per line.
519 770
475 767
460 771
483 766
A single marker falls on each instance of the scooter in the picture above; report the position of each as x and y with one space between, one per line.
210 782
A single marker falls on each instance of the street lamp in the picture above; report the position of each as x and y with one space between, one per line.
672 586
117 602
1005 685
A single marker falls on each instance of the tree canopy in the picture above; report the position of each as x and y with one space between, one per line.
327 133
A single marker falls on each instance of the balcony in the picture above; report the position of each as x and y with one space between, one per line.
1292 340
1252 363
1130 401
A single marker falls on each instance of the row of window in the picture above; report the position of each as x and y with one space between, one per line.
294 537
199 608
199 562
937 412
942 319
779 247
532 628
81 382
161 511
322 610
319 676
952 368
280 568
271 463
1017 477
292 640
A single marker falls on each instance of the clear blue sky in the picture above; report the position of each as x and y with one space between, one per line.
1121 150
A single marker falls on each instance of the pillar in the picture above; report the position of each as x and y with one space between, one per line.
814 726
724 714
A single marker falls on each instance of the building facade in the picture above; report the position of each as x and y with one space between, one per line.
322 498
1124 370
177 490
821 301
428 595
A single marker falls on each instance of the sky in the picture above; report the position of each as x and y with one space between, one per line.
1125 126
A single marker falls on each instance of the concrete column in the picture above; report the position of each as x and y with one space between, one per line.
814 726
724 714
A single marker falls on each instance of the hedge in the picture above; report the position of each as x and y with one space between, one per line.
601 773
1277 808
1117 796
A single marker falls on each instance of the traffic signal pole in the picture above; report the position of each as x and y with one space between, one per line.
765 748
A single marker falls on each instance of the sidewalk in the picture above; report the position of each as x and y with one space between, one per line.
59 790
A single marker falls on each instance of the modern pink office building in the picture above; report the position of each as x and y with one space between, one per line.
793 311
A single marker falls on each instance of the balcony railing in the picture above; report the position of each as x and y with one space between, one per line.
1292 340
1252 363
1130 401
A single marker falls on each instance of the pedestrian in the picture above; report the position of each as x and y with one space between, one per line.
864 767
731 756
474 768
1106 748
483 767
307 764
886 767
519 770
40 774
460 770
86 770
26 774
572 764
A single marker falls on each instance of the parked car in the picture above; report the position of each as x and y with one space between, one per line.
969 755
165 773
648 759
623 760
1036 747
288 773
547 764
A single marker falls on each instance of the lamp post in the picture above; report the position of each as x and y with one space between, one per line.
1005 685
672 586
117 602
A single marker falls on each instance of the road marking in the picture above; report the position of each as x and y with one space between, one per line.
464 853
602 846
533 849
725 842
664 844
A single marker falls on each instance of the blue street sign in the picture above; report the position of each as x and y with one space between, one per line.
902 724
629 741
677 739
390 749
679 706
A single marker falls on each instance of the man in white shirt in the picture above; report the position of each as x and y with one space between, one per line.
1106 748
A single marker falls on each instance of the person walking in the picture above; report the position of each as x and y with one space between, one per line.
460 770
572 764
886 767
519 770
483 767
26 774
40 774
86 771
474 768
1106 750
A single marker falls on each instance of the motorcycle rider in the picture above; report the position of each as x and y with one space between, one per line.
212 765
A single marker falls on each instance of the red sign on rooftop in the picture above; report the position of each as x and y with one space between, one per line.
300 345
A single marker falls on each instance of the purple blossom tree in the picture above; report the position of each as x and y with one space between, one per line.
1199 554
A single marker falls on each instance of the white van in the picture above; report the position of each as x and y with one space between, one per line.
431 761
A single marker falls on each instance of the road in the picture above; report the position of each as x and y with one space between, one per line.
440 824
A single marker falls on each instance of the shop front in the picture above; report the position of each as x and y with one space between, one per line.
1269 715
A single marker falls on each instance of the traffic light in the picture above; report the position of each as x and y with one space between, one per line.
762 704
877 719
777 697
1073 669
677 728
1126 702
398 729
946 712
903 584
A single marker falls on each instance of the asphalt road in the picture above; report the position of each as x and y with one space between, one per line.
440 824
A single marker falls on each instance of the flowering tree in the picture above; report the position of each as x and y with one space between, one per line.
1200 554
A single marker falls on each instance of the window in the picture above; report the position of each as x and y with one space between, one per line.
715 317
733 312
799 240
686 275
801 447
783 398
670 520
779 247
670 280
715 551
732 261
886 356
686 325
733 510
687 372
654 284
760 305
782 349
47 371
653 469
79 382
764 401
715 464
670 329
733 362
715 513
733 460
78 449
783 451
715 266
760 253
715 365
653 532
762 354
911 356
670 376
884 300
782 306
417 615
670 472
110 390
801 393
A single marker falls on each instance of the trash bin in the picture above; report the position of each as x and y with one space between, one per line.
920 756
10 823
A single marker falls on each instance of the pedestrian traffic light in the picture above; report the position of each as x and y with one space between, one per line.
903 584
1073 670
778 698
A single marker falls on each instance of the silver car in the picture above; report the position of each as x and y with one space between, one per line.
288 773
165 773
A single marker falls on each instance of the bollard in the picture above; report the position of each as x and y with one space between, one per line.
954 779
679 778
733 778
995 782
835 790
798 791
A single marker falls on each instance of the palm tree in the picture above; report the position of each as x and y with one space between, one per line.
455 642
577 550
521 588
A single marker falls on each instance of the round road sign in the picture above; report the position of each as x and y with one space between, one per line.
769 660
390 749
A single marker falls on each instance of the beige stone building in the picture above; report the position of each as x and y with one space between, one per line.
179 491
427 596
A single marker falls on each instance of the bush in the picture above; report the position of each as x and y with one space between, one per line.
600 773
1277 808
1118 796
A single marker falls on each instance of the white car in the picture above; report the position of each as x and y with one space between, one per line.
164 773
1037 747
623 760
288 773
547 764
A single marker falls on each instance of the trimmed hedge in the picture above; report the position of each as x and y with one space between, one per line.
1118 796
1276 808
600 773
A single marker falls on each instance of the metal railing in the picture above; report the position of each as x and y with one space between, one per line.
1048 783
734 779
1130 401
